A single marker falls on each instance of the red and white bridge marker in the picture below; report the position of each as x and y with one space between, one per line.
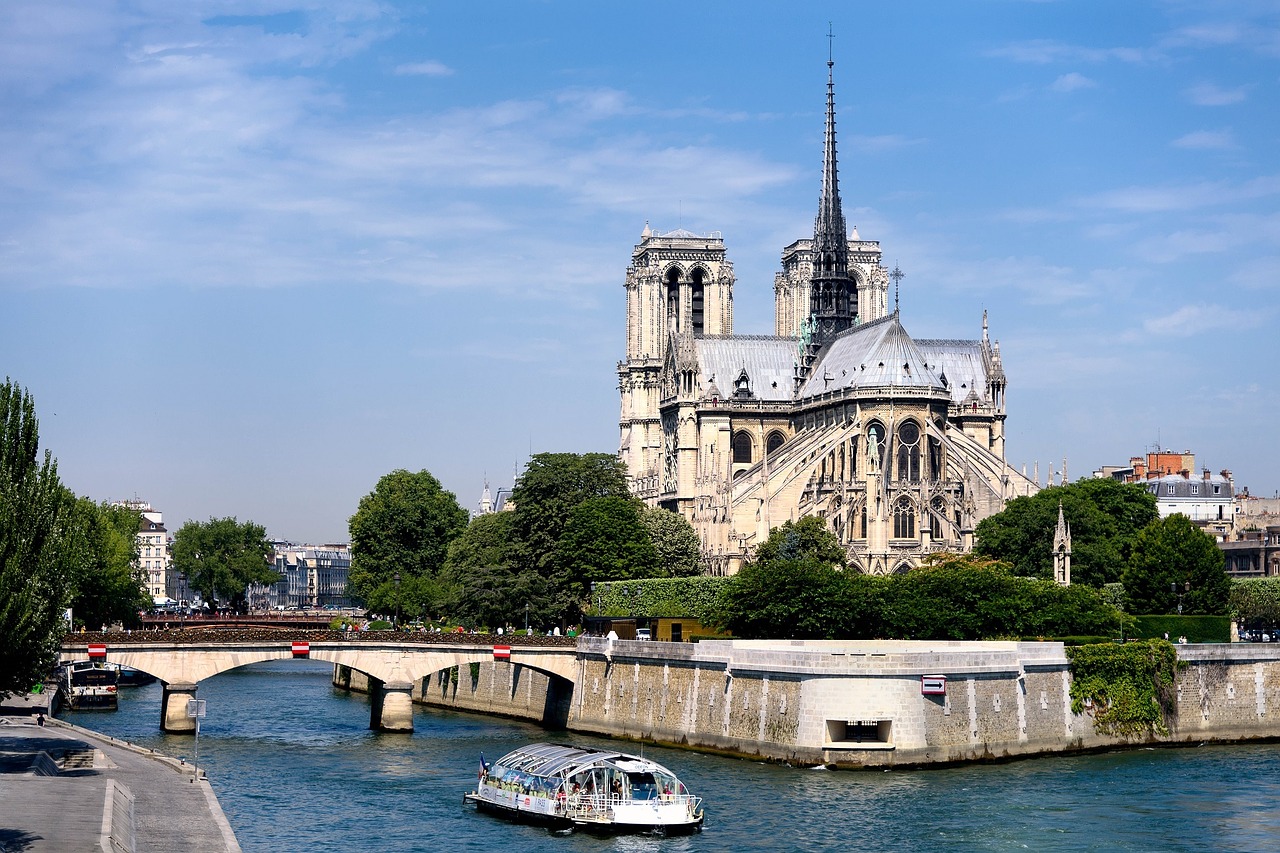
301 649
502 653
97 650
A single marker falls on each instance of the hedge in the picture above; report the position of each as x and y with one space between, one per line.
1197 629
695 597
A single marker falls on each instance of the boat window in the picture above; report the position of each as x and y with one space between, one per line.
643 786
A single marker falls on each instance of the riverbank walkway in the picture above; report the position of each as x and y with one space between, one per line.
65 788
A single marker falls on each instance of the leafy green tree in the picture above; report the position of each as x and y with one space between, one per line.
550 488
1256 601
1172 555
678 547
108 586
486 584
805 539
1105 517
221 557
603 540
33 557
404 526
802 599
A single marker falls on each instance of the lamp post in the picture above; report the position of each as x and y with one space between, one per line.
526 618
1186 587
396 578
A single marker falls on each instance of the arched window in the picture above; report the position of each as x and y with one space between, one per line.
673 299
742 447
862 523
696 295
875 446
935 518
909 452
904 520
776 440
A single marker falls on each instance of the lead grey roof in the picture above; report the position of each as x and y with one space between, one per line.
961 363
877 354
769 361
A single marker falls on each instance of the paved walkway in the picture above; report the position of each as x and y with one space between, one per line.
63 788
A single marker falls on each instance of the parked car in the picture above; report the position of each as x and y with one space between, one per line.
644 634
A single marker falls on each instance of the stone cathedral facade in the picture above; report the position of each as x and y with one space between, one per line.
897 442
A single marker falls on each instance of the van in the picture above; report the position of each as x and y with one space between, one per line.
643 634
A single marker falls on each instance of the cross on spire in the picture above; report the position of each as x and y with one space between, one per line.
830 45
897 275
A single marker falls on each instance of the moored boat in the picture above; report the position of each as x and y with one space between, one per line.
570 787
86 684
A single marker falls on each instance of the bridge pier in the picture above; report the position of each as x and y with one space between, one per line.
173 708
390 706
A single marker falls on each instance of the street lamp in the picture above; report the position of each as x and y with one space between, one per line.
396 578
526 618
1186 587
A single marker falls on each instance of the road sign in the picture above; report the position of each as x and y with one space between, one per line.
97 650
195 708
301 649
502 653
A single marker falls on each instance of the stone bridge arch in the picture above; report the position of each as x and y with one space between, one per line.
393 669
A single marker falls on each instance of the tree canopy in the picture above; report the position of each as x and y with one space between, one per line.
221 557
1104 515
1173 556
33 555
603 540
107 584
486 584
805 539
677 544
550 488
404 526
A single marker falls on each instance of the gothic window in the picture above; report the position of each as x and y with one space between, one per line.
776 440
904 520
935 518
742 447
909 452
875 446
673 298
697 297
862 523
935 459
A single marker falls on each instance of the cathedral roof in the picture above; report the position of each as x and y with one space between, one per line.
961 363
874 355
768 361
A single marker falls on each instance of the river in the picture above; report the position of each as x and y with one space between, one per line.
296 769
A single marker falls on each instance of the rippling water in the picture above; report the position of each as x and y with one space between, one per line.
296 768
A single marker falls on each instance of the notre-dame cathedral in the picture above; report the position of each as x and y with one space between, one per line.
897 442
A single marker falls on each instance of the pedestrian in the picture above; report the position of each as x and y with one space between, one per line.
40 719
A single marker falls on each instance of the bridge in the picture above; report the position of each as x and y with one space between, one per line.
394 661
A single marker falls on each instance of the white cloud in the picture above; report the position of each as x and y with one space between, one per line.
1209 95
1206 140
1048 51
876 144
430 68
1072 82
1195 320
1185 197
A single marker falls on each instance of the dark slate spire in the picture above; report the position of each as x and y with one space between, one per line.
833 295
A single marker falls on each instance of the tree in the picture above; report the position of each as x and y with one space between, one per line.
679 549
801 599
603 540
547 492
486 585
404 526
33 558
1104 515
1172 556
108 586
806 539
221 557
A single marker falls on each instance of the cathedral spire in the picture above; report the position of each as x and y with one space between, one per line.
833 296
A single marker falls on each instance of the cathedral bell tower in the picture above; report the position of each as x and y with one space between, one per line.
833 293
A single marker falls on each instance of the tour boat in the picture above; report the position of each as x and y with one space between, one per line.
87 684
571 787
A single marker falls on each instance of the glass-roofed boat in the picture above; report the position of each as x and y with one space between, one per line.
571 787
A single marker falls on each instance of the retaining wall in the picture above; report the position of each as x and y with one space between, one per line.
854 704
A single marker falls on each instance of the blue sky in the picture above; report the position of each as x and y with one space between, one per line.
255 255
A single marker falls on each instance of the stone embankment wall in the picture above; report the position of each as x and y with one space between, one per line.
857 704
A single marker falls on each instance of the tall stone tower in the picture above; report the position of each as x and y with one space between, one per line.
679 284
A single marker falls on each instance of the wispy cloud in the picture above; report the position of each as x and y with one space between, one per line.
1209 95
1048 51
1196 319
1072 82
877 144
1204 194
430 68
1206 140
